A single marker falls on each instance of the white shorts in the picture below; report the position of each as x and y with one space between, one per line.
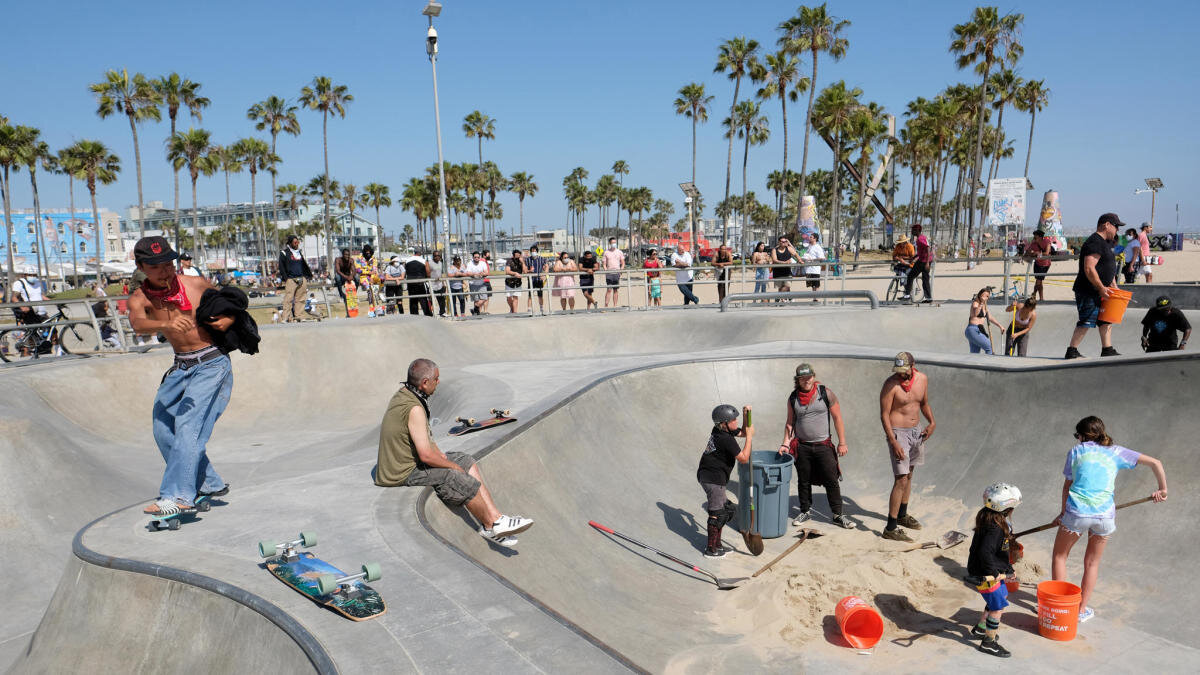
1101 527
513 294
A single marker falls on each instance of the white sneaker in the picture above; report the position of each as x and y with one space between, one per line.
502 541
511 525
801 519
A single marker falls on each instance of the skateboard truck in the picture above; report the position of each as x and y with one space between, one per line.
286 550
328 584
469 421
500 413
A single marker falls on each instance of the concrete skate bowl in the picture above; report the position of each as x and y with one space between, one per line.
623 452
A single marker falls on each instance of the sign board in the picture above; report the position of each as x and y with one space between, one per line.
1006 202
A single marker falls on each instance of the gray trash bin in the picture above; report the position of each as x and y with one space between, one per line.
772 476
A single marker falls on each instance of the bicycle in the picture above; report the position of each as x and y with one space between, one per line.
895 291
45 338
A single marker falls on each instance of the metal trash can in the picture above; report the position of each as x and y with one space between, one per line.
772 476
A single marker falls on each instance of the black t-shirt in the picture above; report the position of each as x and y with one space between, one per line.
516 266
1106 266
588 264
719 457
989 553
782 253
415 269
1161 328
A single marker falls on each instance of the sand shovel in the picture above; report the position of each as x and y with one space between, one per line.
753 539
949 540
805 535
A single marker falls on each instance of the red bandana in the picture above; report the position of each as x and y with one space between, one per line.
806 397
173 294
907 385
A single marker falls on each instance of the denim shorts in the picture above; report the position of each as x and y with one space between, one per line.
1101 527
1089 310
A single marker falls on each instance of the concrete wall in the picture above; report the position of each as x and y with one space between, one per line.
1184 296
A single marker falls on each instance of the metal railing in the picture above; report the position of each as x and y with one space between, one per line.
797 295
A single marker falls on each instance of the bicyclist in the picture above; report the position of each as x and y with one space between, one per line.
26 289
196 389
903 256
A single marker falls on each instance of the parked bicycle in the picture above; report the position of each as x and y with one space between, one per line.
47 338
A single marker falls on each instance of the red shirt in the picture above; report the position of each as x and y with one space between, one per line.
652 264
1042 250
924 253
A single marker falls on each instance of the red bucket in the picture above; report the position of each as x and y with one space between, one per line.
860 624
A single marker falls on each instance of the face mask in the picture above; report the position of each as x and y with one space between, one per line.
612 247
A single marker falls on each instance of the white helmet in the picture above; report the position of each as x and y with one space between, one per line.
1001 496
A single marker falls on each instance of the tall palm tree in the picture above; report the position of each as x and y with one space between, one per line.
1032 98
748 122
257 156
97 165
230 162
193 150
868 126
494 183
350 200
176 91
33 153
275 114
1006 86
986 40
782 80
329 99
737 58
138 100
377 195
606 194
692 102
831 116
11 139
479 126
620 169
815 31
68 167
521 184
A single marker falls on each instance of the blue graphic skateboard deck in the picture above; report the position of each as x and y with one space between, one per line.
354 600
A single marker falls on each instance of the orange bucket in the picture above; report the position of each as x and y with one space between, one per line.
860 624
1058 610
352 312
1112 308
1013 584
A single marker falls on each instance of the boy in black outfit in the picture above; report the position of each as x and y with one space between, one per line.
1161 325
716 464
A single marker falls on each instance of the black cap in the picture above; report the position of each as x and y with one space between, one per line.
1162 301
153 251
185 256
1110 218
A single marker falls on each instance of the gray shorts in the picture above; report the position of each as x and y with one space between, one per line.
716 496
914 450
613 280
454 488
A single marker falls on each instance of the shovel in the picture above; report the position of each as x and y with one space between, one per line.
804 535
753 539
949 540
722 584
1047 526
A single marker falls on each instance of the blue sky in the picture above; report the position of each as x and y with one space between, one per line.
584 84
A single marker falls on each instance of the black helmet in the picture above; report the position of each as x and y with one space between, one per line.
724 413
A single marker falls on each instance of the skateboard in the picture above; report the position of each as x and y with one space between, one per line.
173 521
351 299
468 425
327 585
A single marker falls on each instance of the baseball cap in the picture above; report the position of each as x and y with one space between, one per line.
903 363
1110 218
1162 301
804 370
185 256
153 251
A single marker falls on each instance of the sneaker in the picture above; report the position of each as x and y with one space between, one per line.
1109 351
1086 614
843 522
511 525
802 518
978 630
906 297
219 493
1073 353
908 521
897 535
508 542
718 552
994 648
165 507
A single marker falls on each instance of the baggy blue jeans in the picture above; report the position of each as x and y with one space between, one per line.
978 339
188 404
688 295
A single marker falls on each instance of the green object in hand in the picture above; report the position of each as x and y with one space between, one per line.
748 422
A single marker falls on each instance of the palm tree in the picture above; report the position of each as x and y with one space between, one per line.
986 40
494 182
832 113
330 99
620 168
230 162
868 126
350 200
278 116
479 126
10 149
736 57
1032 98
1006 86
36 153
749 123
781 75
68 167
256 155
292 196
176 91
193 149
692 102
138 100
812 30
96 164
377 195
521 184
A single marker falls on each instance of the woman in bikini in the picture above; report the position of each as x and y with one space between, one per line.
977 330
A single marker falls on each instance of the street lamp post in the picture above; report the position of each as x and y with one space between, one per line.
691 193
1153 185
431 47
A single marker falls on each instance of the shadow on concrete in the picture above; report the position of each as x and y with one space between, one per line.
469 520
898 610
684 524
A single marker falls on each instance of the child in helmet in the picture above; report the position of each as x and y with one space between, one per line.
988 563
716 464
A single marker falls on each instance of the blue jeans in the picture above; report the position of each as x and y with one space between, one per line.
187 405
688 295
760 280
978 339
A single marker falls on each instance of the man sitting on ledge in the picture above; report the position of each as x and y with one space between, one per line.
408 456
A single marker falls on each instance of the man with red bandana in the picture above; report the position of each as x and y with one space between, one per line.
904 398
196 389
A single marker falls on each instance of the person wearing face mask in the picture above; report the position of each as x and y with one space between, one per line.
904 398
1095 280
477 271
564 280
613 262
409 457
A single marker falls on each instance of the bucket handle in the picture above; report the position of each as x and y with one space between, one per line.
773 476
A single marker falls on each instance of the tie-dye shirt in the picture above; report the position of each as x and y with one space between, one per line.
1092 469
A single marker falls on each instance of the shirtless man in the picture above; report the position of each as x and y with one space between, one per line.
904 398
194 392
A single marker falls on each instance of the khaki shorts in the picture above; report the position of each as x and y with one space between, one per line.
914 450
454 488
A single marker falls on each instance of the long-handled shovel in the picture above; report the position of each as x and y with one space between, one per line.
722 584
951 539
1047 526
805 534
753 539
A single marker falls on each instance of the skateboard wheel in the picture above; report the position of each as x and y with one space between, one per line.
173 524
470 420
327 583
372 571
154 525
267 548
203 505
308 538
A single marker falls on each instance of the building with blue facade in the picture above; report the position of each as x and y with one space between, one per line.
64 240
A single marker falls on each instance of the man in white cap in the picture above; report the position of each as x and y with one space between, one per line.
904 398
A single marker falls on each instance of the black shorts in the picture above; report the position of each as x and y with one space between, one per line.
587 281
1039 272
812 280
